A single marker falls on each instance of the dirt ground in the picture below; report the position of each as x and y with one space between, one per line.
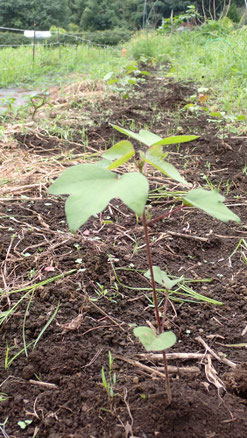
67 300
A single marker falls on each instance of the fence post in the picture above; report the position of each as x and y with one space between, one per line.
58 40
34 40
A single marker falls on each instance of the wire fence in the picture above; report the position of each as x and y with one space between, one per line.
63 39
59 34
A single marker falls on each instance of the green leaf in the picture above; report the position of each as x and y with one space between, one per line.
241 117
112 81
150 139
92 188
146 137
120 153
162 278
103 377
104 164
151 342
176 139
155 157
23 424
132 81
212 203
216 114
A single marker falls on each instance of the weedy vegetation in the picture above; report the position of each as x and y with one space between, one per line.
109 380
18 67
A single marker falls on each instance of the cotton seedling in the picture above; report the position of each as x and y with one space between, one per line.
92 186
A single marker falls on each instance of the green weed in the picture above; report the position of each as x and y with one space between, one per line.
216 62
17 66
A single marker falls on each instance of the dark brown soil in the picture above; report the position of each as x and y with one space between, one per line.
58 385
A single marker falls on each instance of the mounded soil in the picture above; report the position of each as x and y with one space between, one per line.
100 289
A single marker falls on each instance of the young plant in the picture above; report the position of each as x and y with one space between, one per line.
123 82
92 186
110 381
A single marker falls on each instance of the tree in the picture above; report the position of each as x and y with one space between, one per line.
103 14
16 13
23 13
99 15
76 9
49 13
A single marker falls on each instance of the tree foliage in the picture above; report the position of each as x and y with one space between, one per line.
23 13
103 14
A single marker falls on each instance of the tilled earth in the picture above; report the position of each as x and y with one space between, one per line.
73 298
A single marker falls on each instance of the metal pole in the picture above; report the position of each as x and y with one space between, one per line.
34 40
58 40
144 17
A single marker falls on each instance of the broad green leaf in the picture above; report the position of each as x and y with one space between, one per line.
175 140
212 203
150 139
155 157
146 137
104 164
162 278
120 153
151 342
92 188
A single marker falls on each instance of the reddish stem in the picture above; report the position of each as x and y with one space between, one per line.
156 219
150 263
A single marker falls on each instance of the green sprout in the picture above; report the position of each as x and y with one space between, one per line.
109 381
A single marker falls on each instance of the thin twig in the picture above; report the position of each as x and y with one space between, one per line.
162 216
188 236
105 314
171 369
44 384
215 355
172 356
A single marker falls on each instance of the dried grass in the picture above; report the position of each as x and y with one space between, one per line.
26 172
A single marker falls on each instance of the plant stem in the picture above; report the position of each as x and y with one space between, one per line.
156 219
168 386
150 263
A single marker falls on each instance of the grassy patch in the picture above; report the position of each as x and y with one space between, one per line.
217 61
54 64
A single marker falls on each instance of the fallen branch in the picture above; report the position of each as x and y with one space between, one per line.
215 355
172 356
212 377
44 384
188 236
171 369
105 314
182 371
